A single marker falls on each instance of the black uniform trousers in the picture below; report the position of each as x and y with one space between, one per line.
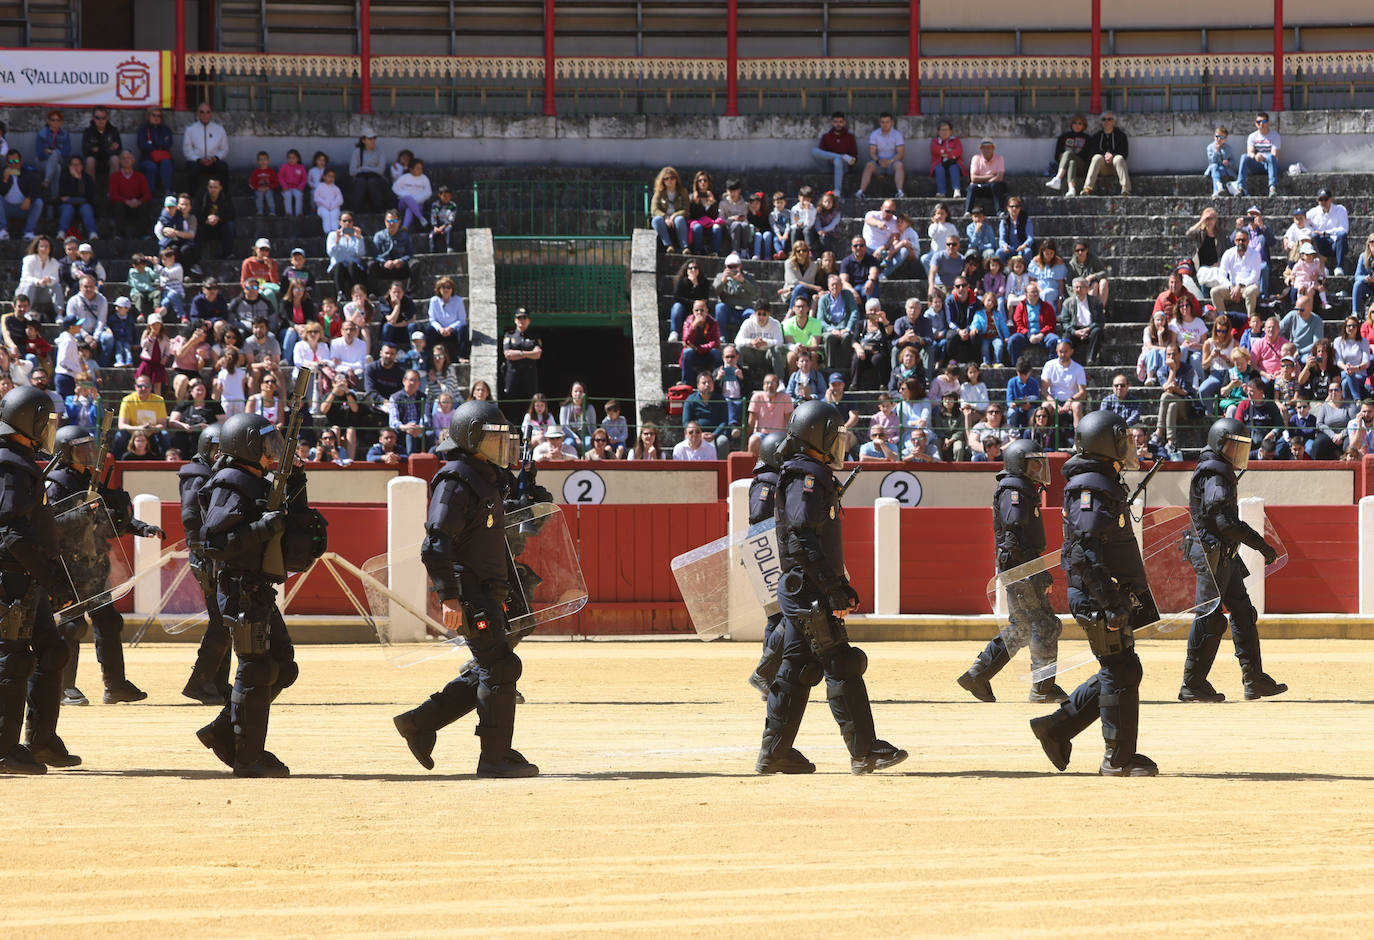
1207 629
1112 695
212 658
109 644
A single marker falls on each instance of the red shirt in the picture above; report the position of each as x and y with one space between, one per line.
133 186
263 175
942 150
1186 299
841 142
704 336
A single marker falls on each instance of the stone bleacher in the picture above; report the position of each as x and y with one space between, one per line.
1139 238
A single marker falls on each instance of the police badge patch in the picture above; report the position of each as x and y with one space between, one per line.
491 520
1085 500
810 482
1015 498
763 491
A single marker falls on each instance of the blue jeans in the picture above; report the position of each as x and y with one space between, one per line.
289 338
459 344
159 174
837 163
107 348
1210 387
1364 292
765 244
64 216
1352 386
893 262
265 202
677 317
291 200
697 234
730 319
947 179
12 211
1154 358
667 229
123 352
1249 165
1020 342
994 348
1219 175
694 362
1333 246
175 301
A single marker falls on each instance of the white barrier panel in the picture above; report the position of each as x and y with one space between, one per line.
407 500
887 556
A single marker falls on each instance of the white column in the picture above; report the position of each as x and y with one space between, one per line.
1366 570
407 504
746 616
148 587
887 556
1252 513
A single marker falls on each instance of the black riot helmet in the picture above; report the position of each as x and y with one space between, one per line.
1229 439
248 438
25 410
1023 459
1102 434
75 447
480 429
769 451
207 447
815 426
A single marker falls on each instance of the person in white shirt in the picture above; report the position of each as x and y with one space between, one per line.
1261 155
412 191
1300 230
554 447
205 145
69 364
1330 225
1240 275
1065 383
328 202
880 226
760 342
94 311
695 446
349 353
886 151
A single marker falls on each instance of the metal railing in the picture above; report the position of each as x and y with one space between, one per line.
605 209
575 279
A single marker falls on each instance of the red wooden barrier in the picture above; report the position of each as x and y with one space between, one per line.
1323 558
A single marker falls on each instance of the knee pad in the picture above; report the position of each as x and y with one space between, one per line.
1242 614
506 670
287 674
18 665
107 620
51 658
1214 624
257 673
1130 671
811 675
74 631
848 662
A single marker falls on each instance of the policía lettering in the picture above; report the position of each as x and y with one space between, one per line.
766 560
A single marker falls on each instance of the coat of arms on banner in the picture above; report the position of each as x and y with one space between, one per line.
132 80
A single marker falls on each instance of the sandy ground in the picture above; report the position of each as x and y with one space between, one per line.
648 819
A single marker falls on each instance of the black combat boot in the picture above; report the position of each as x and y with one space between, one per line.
978 680
496 728
1056 731
20 761
123 691
1202 652
416 727
1047 691
880 756
786 705
249 709
54 753
1138 766
218 736
1259 685
1057 747
203 690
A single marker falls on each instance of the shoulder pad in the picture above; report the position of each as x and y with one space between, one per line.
16 461
63 482
462 470
193 469
241 481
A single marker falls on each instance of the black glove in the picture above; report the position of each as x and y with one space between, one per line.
62 594
1270 555
153 532
271 523
843 597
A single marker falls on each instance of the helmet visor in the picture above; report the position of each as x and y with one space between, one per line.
498 445
82 452
1130 461
1038 469
1235 450
273 445
836 455
48 442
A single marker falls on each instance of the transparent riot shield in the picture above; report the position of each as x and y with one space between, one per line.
542 568
1178 591
92 554
713 599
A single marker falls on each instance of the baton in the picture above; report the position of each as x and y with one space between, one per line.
848 480
1140 487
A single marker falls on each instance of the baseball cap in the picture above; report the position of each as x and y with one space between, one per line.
1324 194
836 377
444 189
70 320
731 258
417 335
262 243
1300 211
1288 359
554 431
367 131
294 251
1253 210
84 246
170 202
987 140
521 312
124 302
1307 249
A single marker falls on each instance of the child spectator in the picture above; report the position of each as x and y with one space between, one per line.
144 293
803 221
37 350
315 175
292 177
828 218
1220 165
416 357
229 385
442 215
616 430
123 326
412 191
328 202
734 212
86 263
402 165
779 221
577 417
156 350
764 241
263 180
171 281
946 154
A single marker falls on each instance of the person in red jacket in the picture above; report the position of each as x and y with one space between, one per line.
129 197
1033 324
838 148
946 161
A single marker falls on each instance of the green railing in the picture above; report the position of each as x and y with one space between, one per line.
537 208
573 280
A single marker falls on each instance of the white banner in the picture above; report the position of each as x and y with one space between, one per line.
85 78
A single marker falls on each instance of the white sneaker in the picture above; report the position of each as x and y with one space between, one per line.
674 338
4 234
1339 272
900 194
958 194
859 194
848 159
28 235
1072 191
1055 183
1233 188
1273 190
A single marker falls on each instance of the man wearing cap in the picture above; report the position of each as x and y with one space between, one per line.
737 292
521 350
1239 273
834 393
248 306
129 196
1330 226
391 254
93 310
205 147
367 167
1108 147
209 306
68 364
214 212
555 446
442 214
987 174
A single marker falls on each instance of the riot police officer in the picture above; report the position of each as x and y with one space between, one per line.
86 548
761 501
1220 533
1020 536
1108 596
521 350
815 596
209 681
238 529
32 578
466 555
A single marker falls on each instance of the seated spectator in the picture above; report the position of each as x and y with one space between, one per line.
950 432
293 178
37 350
902 247
908 366
19 195
1216 362
155 151
1043 430
329 200
440 417
886 156
1363 297
760 344
601 447
231 382
1351 353
1221 166
689 286
1048 270
93 312
946 161
765 244
1240 276
129 197
348 355
443 215
700 343
366 167
703 215
1177 384
1261 155
799 276
407 415
729 381
263 183
190 353
981 237
769 411
176 230
647 447
38 378
52 148
382 377
577 417
708 411
205 146
872 351
140 447
248 307
948 266
1121 401
1301 325
215 215
195 414
1108 148
613 423
1332 417
695 445
828 219
345 414
552 445
398 315
860 270
261 355
1066 384
938 232
391 253
838 148
668 210
1308 273
1069 156
1081 322
911 330
987 174
834 394
1319 369
327 450
973 395
1033 323
992 429
68 363
413 189
736 292
966 324
1085 264
878 447
448 320
83 405
1266 421
261 267
805 383
76 195
312 352
140 410
802 333
921 445
384 451
838 314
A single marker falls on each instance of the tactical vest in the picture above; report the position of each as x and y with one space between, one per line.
1030 538
799 475
481 548
761 496
1204 515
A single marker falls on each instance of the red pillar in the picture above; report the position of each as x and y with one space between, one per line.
913 60
732 59
1278 56
1095 96
179 66
550 108
365 55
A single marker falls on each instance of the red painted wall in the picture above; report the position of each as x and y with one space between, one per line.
1323 558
